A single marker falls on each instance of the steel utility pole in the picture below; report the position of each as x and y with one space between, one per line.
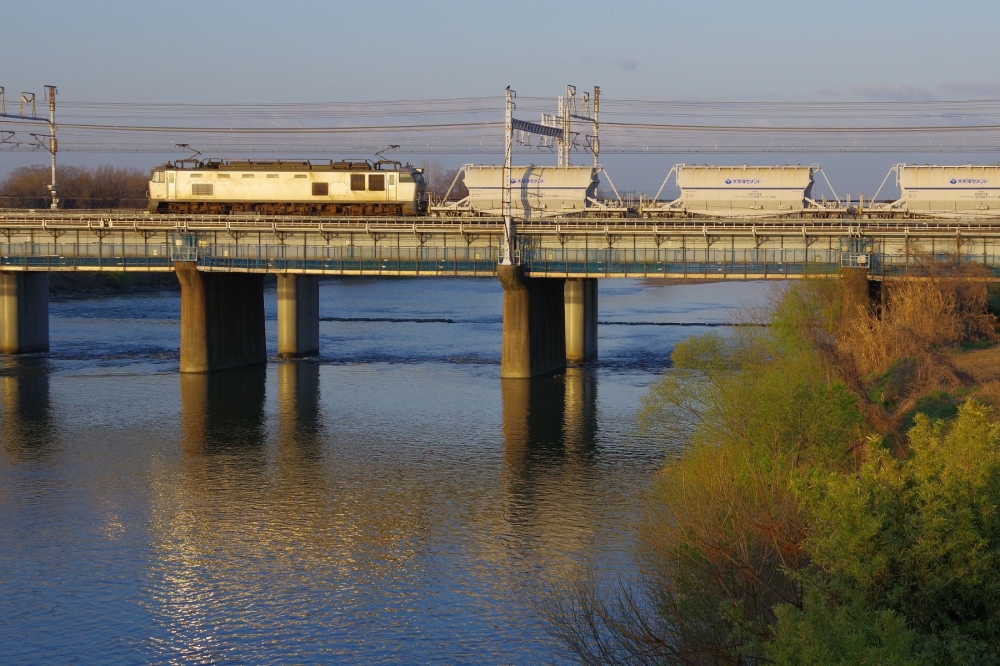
596 144
48 142
508 219
50 92
509 256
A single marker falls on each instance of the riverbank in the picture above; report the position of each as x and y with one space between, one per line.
86 284
834 495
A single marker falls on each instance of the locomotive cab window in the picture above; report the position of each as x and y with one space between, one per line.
157 177
357 182
376 182
321 189
392 179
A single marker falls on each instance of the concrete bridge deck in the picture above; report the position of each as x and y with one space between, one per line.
427 246
550 297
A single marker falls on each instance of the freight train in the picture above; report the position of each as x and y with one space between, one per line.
361 188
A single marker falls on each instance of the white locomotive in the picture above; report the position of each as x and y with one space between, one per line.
356 188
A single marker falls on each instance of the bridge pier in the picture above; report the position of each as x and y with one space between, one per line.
856 291
534 324
222 319
298 315
24 312
581 319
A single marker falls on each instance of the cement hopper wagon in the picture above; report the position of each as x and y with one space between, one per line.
741 191
536 191
947 191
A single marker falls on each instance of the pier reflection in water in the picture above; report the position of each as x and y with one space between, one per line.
222 410
26 428
550 477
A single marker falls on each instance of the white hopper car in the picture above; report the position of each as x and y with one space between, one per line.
945 191
739 191
288 188
536 191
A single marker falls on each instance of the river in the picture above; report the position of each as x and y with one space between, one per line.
390 502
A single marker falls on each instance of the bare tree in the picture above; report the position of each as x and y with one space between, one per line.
98 187
439 179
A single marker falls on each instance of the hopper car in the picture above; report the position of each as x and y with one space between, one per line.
942 192
536 192
741 191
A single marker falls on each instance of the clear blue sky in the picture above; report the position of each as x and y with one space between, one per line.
255 51
306 51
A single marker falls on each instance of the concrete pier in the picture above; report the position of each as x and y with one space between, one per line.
855 291
222 319
298 315
580 295
24 312
534 324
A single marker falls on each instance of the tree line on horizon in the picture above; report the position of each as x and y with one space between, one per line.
77 187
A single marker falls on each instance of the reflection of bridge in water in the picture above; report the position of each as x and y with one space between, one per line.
550 296
26 425
273 492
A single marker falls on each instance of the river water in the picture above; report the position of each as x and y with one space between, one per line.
393 501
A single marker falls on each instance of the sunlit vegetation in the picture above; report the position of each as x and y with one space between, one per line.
98 187
834 499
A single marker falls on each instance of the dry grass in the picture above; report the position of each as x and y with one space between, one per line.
894 354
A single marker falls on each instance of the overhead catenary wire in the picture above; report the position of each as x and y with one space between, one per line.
473 125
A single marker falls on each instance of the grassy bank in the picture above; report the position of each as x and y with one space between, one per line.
834 500
69 284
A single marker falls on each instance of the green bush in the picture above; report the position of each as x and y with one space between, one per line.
916 540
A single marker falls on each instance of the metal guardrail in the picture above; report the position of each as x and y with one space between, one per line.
143 221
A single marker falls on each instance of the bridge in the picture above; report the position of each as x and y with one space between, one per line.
550 293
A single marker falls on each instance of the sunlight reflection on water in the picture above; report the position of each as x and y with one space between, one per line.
393 501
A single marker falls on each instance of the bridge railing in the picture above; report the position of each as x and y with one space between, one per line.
124 256
471 260
682 261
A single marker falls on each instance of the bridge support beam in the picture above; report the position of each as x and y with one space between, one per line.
298 315
580 295
222 319
534 324
24 312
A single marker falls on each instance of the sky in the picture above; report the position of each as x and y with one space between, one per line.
262 52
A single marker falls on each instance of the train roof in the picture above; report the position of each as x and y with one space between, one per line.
286 165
